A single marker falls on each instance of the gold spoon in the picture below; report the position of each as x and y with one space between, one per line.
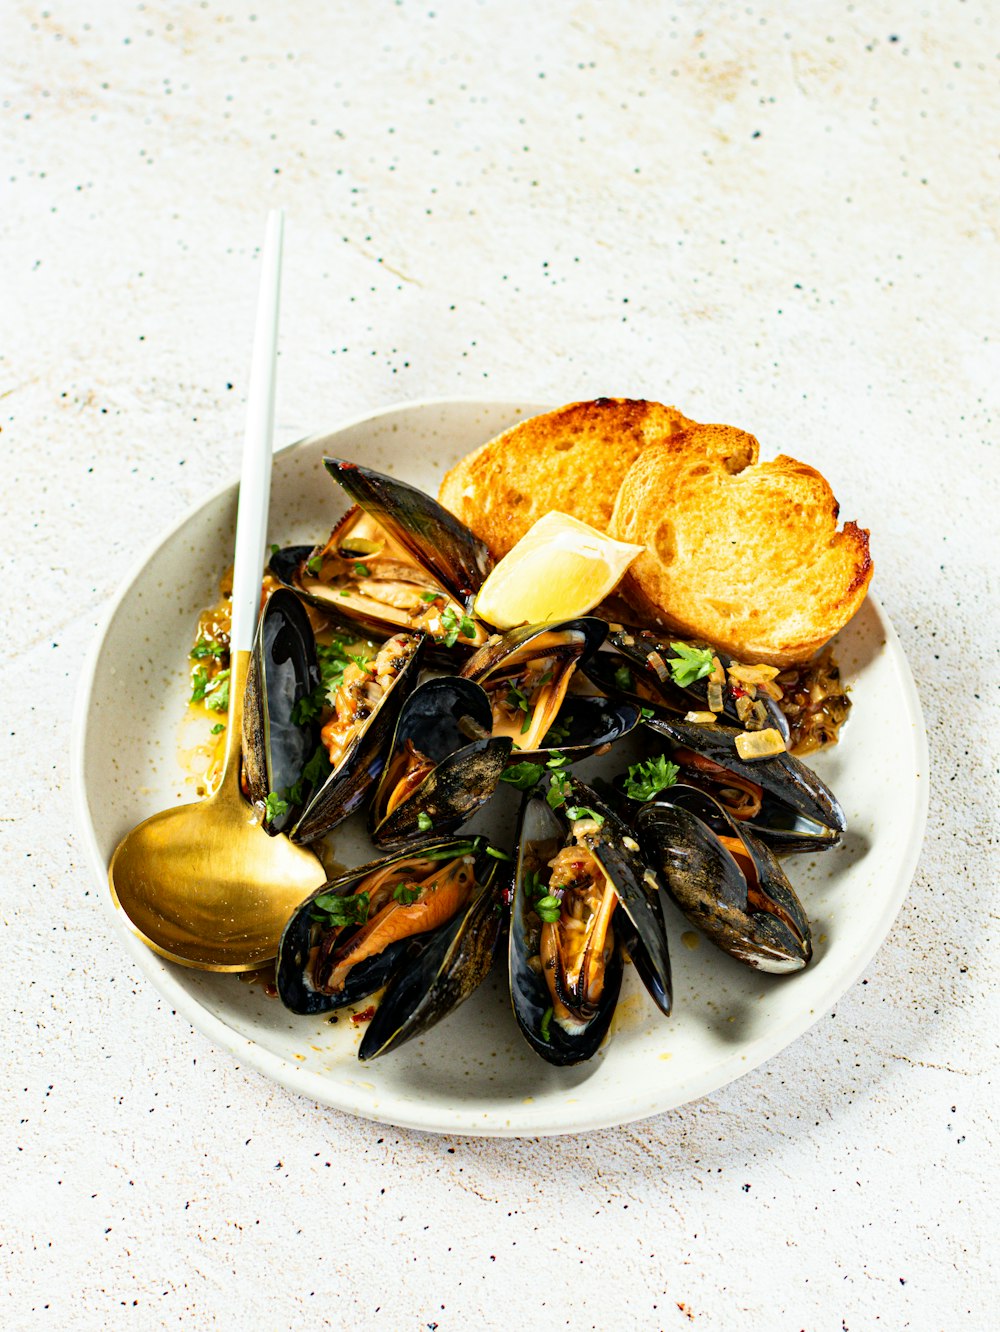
203 884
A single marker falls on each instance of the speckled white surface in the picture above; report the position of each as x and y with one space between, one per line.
784 222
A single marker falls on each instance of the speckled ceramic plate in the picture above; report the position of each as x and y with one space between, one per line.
473 1073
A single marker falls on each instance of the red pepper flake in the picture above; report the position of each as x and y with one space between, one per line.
365 1015
737 690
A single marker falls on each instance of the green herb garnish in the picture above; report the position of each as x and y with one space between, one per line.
574 812
549 909
558 790
274 547
429 596
203 648
218 728
497 855
335 910
455 625
623 678
557 734
645 779
646 713
405 893
544 1025
690 664
424 821
314 565
523 775
216 693
362 571
274 807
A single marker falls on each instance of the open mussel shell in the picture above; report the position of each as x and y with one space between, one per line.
526 673
360 767
436 538
799 812
282 671
744 905
636 884
434 981
443 763
309 935
540 836
635 664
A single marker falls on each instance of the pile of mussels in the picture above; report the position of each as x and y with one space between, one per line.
582 889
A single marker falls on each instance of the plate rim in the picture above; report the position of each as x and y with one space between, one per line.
313 1085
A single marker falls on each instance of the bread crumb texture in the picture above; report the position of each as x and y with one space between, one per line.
744 554
572 460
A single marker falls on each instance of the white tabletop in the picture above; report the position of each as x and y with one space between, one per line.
780 217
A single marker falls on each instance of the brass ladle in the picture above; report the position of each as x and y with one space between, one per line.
203 884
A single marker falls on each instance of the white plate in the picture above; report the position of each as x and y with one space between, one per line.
473 1073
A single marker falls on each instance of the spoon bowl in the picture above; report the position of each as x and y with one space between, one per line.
203 884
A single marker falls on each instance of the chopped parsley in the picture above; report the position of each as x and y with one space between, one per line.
646 713
497 855
558 790
645 779
429 596
333 659
690 664
218 728
523 775
451 852
274 807
203 648
216 693
455 625
623 678
314 565
424 821
548 908
335 910
362 571
574 812
314 774
274 547
544 1025
405 893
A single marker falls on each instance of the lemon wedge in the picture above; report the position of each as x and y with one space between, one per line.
560 568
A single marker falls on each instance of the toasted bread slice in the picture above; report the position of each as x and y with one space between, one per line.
745 555
573 460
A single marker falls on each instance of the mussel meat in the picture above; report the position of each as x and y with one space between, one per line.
641 665
351 936
396 560
576 875
780 799
526 673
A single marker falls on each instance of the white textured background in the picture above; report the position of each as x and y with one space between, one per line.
784 217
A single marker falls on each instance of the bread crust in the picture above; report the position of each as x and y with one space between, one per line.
743 554
573 459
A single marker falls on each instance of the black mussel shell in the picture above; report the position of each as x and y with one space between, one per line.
585 726
455 962
540 836
801 813
624 669
761 924
282 671
293 970
435 537
348 784
448 721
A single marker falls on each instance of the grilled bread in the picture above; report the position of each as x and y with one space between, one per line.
745 555
573 459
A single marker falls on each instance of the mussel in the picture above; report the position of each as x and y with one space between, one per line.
354 934
780 799
443 763
726 881
641 665
526 673
396 560
366 705
576 875
314 736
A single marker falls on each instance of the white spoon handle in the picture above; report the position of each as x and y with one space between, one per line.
258 443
